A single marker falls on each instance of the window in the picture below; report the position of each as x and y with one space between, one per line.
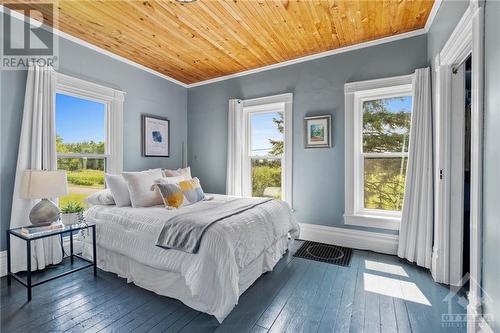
378 118
386 130
88 135
267 157
80 145
265 153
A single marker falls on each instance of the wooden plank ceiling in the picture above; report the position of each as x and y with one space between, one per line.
197 41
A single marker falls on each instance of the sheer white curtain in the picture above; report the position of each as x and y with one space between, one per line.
415 236
235 145
37 150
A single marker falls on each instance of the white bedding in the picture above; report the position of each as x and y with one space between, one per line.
227 248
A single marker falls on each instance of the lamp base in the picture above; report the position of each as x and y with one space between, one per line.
44 213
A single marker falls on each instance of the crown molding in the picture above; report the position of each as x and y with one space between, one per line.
432 14
422 31
117 57
314 56
81 42
418 32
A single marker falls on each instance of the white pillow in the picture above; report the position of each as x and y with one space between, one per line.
139 186
170 180
103 197
186 173
119 188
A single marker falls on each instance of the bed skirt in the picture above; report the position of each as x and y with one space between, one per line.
172 284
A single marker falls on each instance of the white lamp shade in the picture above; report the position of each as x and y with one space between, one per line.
39 184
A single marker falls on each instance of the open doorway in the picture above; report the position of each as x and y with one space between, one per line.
458 193
467 166
460 166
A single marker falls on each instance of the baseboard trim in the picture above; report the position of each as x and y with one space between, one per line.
77 247
3 263
356 239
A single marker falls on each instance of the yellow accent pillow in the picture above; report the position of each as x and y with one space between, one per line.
180 194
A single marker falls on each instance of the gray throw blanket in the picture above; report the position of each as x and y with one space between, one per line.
185 231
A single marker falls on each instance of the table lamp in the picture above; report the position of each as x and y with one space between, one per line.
42 184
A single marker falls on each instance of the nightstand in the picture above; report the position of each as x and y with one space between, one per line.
71 229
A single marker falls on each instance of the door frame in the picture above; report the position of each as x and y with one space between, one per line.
467 39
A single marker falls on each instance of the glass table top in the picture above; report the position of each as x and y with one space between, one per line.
54 229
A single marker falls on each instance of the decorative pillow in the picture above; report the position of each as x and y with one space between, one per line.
119 189
186 173
139 187
184 193
104 197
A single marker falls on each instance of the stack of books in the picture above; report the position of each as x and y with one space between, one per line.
33 229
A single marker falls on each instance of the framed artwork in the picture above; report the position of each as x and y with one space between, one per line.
318 131
155 136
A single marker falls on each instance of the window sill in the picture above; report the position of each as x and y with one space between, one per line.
373 221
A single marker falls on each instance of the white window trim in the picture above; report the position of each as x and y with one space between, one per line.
266 104
355 94
113 99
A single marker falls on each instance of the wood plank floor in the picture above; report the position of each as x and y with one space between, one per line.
376 293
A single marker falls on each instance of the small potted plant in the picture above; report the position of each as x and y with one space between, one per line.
71 213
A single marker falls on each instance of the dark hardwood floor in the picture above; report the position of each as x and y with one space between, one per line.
376 293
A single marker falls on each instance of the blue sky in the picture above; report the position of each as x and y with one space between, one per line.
397 103
79 119
394 105
263 129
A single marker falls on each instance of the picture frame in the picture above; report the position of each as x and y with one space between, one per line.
318 131
155 136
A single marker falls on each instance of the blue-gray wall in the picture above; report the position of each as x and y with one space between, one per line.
318 88
447 18
146 93
491 166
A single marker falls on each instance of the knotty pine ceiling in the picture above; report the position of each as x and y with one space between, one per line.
193 42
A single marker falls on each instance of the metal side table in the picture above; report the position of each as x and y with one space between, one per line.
44 234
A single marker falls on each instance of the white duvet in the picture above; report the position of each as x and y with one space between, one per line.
228 246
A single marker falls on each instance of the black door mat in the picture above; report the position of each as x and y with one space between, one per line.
331 254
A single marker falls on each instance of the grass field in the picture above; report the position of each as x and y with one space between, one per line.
86 177
72 197
81 184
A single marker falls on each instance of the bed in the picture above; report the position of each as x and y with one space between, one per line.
233 252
